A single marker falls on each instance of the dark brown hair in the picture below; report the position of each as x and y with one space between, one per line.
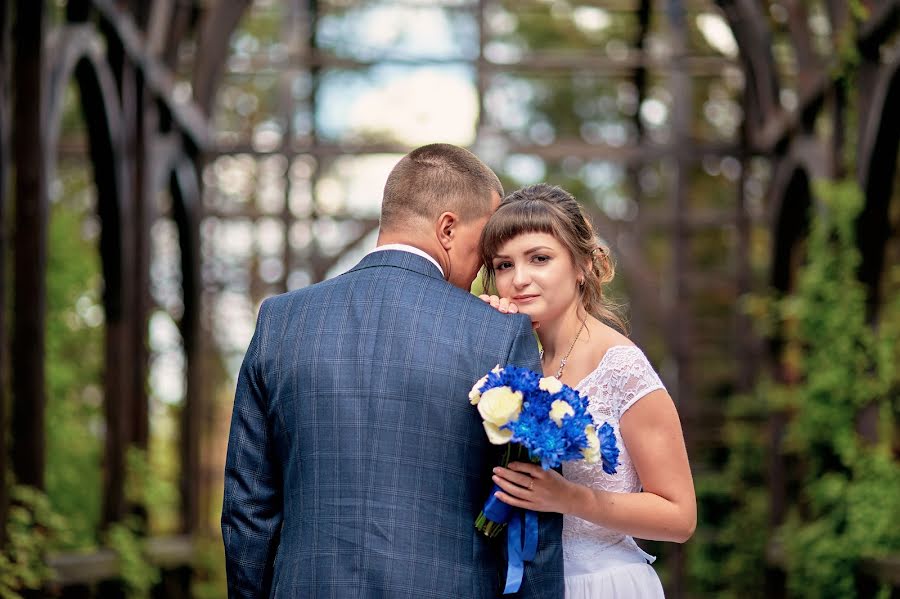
544 208
438 178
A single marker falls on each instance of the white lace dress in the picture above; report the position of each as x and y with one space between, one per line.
600 562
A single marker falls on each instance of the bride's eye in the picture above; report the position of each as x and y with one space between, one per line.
503 265
540 258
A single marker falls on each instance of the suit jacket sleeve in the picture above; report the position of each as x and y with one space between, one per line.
252 507
524 351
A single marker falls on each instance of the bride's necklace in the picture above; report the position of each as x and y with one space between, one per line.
562 363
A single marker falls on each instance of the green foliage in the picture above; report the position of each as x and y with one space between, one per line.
849 490
126 539
32 528
74 364
209 580
844 501
149 484
733 503
67 517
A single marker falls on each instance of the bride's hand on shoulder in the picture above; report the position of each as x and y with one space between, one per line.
530 487
503 304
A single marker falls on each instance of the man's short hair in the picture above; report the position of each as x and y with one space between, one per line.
434 179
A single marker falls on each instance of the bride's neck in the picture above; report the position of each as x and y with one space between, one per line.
556 336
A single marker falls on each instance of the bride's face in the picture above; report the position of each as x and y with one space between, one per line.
536 272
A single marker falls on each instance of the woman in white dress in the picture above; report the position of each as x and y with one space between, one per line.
541 253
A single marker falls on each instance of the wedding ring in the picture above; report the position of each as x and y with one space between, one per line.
531 484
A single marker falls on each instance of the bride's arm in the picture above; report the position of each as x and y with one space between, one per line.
666 509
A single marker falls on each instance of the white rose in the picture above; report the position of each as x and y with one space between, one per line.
591 453
560 409
475 393
550 384
500 405
495 435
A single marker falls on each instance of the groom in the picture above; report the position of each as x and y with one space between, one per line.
356 465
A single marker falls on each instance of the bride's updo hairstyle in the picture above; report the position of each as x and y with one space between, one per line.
544 208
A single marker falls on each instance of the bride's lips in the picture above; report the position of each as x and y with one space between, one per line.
524 299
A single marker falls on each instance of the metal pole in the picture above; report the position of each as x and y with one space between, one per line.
679 310
4 157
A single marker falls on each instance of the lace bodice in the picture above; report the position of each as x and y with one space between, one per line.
623 377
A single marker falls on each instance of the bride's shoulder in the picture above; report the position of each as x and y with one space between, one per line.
605 338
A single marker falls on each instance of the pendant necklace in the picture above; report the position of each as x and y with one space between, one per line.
562 363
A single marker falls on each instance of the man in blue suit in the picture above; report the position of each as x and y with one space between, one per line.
356 465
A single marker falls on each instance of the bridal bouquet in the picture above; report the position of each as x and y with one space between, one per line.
539 417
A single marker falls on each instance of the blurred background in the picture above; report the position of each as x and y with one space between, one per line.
165 165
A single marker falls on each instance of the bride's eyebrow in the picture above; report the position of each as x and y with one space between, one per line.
538 248
526 252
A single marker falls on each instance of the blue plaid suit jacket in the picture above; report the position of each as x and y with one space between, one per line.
356 465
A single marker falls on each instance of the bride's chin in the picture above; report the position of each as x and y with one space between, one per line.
535 319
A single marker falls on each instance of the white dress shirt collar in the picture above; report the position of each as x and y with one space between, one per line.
402 247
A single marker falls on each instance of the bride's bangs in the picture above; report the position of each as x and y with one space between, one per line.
512 220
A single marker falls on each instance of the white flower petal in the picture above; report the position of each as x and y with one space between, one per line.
495 435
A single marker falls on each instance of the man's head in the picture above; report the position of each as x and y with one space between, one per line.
438 198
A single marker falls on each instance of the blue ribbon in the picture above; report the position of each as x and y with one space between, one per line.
520 551
495 510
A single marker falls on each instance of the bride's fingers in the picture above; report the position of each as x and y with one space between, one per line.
527 469
503 304
521 480
512 489
513 501
506 305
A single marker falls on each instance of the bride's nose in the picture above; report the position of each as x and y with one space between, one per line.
521 278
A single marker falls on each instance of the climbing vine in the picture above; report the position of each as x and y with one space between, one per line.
844 491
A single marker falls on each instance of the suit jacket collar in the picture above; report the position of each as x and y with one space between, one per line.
400 259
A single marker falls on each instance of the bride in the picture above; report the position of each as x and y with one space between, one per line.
541 253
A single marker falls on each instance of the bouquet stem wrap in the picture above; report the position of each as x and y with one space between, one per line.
495 514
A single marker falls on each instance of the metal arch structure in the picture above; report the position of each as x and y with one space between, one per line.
880 141
75 51
185 190
215 35
140 141
754 38
787 137
791 200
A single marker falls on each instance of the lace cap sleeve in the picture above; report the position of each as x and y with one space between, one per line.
637 377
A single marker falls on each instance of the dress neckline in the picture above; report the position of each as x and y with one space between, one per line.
608 351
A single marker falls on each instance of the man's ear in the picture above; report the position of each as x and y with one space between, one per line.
446 225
